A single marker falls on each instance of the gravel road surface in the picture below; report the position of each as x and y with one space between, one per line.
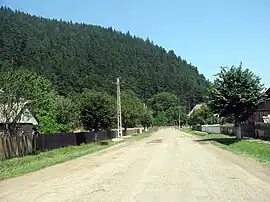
168 166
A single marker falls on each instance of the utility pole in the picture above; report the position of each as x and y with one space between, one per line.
119 118
179 120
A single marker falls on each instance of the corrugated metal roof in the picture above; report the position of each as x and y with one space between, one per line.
19 112
198 106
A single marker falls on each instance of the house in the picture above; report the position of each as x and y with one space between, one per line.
19 114
262 112
197 106
256 124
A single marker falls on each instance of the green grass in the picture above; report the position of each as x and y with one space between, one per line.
254 149
21 165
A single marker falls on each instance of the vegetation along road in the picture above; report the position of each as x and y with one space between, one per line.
167 166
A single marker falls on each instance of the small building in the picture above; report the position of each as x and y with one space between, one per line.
25 121
256 126
262 112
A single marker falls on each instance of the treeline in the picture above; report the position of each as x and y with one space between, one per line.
23 90
75 57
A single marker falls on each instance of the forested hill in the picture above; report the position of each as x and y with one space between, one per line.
78 56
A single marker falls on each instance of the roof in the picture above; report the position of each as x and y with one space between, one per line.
267 92
197 106
19 112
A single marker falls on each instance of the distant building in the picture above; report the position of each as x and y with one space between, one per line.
197 106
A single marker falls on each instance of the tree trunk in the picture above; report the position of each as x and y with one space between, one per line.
95 135
237 124
238 131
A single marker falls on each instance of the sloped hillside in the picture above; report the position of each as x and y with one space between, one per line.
78 56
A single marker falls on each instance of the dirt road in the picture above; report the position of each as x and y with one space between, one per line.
168 166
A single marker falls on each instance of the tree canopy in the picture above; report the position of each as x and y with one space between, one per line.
77 56
131 107
146 117
165 108
236 91
97 110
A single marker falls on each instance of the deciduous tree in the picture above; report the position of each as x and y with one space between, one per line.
165 108
131 108
146 118
97 110
236 91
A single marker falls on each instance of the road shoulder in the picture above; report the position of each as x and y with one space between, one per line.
27 165
260 170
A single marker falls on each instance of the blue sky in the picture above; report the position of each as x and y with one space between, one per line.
208 33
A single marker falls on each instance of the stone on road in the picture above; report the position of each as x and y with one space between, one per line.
168 166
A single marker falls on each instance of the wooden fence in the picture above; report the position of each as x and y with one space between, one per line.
262 131
21 145
251 130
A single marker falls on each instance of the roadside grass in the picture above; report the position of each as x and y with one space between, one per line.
254 149
30 163
21 165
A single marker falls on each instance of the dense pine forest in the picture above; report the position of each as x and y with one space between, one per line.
79 56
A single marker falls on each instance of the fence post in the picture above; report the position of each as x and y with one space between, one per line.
2 153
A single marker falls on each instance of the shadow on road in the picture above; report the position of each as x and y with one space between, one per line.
224 141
